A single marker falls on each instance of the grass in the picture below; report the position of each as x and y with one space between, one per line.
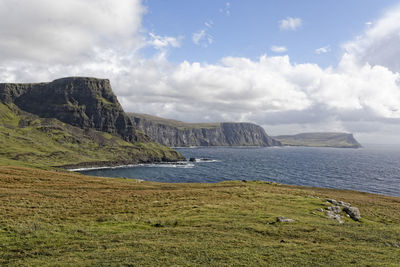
58 218
174 123
27 140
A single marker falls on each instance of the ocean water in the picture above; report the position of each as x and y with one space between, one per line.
374 169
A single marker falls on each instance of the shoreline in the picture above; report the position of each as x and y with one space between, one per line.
124 166
216 182
108 164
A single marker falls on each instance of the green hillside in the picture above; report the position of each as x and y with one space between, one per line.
28 140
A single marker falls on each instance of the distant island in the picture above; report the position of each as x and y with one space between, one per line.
175 133
322 139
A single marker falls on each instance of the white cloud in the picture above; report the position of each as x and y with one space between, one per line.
202 38
379 44
290 23
322 50
361 95
163 42
67 31
278 49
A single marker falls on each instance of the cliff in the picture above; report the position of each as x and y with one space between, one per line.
179 134
71 121
338 140
87 103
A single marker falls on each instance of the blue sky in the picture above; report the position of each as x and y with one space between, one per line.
250 28
289 66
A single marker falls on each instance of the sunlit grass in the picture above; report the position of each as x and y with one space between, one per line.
57 218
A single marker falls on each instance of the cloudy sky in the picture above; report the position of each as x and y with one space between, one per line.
290 66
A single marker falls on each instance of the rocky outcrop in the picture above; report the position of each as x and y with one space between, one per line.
179 134
334 212
338 140
87 103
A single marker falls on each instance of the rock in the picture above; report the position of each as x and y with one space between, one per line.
334 216
87 103
353 212
344 204
192 159
332 201
336 209
320 209
284 219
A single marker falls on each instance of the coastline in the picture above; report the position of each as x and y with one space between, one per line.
110 164
125 166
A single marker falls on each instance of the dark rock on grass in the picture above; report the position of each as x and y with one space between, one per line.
353 212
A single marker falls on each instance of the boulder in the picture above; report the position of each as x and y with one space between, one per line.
353 212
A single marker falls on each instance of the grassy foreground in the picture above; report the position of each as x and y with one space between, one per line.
56 218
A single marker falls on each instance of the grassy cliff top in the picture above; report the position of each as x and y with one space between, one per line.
174 123
65 219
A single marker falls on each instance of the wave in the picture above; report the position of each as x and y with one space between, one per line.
179 164
183 165
206 160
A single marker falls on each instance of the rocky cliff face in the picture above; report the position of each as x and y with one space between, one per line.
179 134
88 103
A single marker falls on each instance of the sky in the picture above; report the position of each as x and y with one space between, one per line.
290 66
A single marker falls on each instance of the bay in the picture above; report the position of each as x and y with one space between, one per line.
374 169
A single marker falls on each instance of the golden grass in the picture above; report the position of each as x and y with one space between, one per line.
59 218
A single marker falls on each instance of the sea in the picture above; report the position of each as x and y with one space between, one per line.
373 168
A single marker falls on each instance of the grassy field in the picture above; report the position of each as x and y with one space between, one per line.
65 219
